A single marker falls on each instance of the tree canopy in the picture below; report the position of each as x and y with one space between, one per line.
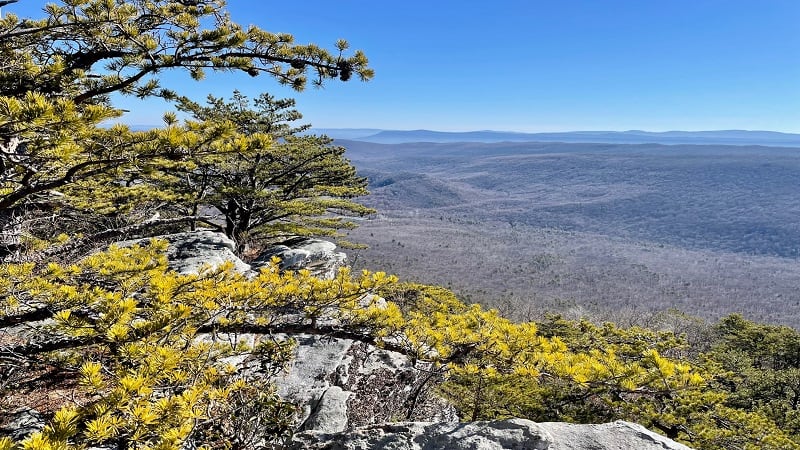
84 50
276 182
57 75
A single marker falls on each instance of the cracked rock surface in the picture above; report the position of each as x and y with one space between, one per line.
512 434
341 384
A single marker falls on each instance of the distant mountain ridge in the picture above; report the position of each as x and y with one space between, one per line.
718 137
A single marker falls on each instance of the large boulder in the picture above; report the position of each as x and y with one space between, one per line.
512 434
192 251
608 436
315 255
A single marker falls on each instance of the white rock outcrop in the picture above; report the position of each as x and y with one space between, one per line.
316 255
337 383
518 434
311 376
617 435
190 252
512 434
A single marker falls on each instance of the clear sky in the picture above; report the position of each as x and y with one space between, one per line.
533 65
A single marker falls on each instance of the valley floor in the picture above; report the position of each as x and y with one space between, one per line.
525 271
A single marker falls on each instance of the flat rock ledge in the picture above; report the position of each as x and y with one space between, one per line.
512 434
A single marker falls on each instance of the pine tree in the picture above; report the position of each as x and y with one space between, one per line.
58 72
275 182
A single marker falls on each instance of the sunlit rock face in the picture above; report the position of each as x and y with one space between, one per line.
191 252
341 384
315 255
512 434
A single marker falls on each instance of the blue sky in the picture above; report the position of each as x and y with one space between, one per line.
533 66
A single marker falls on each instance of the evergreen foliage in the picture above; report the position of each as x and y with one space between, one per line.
132 334
145 350
55 83
759 367
275 182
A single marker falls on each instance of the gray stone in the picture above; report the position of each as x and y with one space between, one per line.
619 435
330 413
340 384
21 423
516 434
191 252
311 375
316 255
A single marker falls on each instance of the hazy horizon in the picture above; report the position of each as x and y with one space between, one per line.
492 130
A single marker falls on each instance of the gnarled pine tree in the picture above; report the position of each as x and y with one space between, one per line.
275 182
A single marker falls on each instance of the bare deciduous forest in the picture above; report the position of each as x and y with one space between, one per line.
608 230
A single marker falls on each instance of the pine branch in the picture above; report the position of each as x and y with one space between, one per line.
131 230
